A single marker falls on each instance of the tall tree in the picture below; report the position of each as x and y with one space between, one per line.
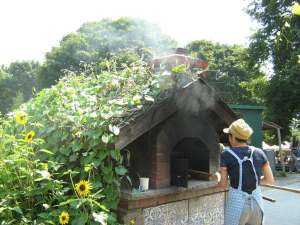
6 90
17 82
230 71
278 41
96 41
24 75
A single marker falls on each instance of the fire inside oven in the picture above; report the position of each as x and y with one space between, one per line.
189 160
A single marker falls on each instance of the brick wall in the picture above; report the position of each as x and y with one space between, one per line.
151 152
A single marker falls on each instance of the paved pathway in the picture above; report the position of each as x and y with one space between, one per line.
286 209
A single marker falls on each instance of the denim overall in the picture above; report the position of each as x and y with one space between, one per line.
236 197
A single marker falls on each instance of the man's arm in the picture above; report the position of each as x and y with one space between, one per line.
223 177
268 175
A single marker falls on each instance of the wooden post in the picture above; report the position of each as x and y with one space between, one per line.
280 150
282 188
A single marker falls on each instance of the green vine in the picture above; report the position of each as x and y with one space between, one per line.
77 170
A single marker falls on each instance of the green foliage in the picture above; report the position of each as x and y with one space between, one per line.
180 69
230 71
270 137
295 128
256 88
17 83
96 41
17 101
33 188
7 87
79 120
24 178
277 41
124 40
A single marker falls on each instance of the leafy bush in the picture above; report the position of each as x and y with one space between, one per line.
28 186
35 191
79 118
58 161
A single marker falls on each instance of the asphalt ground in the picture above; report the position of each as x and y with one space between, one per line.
286 209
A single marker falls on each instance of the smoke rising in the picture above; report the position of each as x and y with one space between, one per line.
111 36
195 97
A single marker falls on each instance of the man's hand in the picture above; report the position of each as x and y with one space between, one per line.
222 147
216 176
223 182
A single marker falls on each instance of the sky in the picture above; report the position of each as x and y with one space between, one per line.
30 28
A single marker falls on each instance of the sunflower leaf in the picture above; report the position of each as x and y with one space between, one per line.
80 220
120 170
46 151
69 201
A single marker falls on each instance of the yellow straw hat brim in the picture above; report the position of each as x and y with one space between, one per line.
226 130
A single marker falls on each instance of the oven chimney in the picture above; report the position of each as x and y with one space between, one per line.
181 51
180 56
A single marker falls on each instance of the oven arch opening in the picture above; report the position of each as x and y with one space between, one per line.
189 160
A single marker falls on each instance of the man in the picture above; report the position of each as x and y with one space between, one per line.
245 166
294 154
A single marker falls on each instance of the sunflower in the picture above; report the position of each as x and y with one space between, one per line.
296 9
132 222
29 136
83 188
64 218
21 117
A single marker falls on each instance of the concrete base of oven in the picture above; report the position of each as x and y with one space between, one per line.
191 206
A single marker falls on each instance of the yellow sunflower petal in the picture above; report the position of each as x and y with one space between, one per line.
64 218
83 188
29 136
21 117
296 9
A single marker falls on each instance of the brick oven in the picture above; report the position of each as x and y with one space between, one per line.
176 145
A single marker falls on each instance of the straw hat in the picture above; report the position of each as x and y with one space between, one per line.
239 129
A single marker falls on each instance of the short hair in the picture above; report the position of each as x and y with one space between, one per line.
238 139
